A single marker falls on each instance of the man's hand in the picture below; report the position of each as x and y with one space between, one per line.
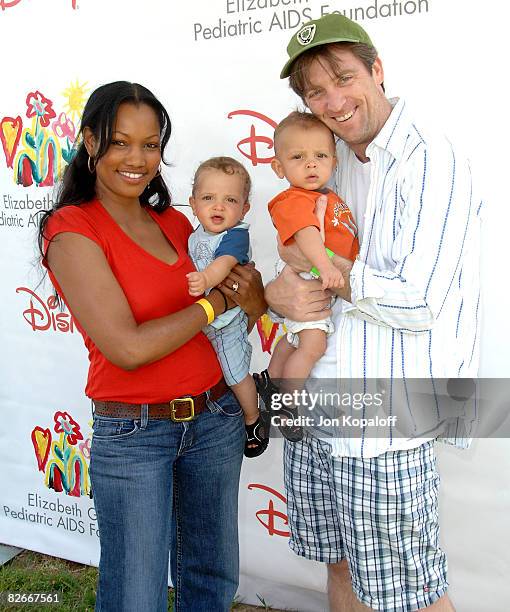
331 277
295 298
293 256
344 266
197 283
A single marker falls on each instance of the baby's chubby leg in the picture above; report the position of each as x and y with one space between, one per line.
281 353
312 346
256 434
246 394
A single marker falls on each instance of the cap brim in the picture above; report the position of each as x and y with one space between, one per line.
286 69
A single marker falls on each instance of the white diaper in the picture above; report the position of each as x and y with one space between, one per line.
293 327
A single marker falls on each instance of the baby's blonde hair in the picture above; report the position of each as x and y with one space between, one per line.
228 165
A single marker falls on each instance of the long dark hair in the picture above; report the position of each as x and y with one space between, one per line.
78 184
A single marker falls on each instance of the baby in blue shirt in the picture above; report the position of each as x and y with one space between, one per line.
219 200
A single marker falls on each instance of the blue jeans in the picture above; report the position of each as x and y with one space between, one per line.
161 486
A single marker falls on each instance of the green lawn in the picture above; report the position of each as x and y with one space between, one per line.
32 572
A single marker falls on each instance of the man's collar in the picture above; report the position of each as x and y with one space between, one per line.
394 132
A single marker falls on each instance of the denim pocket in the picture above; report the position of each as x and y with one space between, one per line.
113 429
228 405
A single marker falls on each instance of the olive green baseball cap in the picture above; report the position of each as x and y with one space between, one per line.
331 28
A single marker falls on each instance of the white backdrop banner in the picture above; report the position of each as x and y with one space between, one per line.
215 65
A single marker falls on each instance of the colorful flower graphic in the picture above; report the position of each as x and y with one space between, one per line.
64 127
85 448
64 461
38 105
39 150
64 423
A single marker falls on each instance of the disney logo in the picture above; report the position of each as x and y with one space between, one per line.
39 316
271 513
252 140
5 4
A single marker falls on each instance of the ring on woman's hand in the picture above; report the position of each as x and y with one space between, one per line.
235 286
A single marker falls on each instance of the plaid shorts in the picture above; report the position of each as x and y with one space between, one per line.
380 514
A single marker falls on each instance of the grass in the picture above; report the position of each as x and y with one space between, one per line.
31 572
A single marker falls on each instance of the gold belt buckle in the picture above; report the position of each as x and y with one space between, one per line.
191 403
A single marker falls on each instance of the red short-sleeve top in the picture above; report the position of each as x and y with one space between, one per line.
153 289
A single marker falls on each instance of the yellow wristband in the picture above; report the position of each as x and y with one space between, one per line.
209 310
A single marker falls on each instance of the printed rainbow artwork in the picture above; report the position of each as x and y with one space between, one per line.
37 149
63 460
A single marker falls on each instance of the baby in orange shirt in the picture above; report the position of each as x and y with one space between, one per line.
306 157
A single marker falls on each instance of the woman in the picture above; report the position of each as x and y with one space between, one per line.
164 470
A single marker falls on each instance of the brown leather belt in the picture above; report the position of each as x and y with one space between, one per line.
178 410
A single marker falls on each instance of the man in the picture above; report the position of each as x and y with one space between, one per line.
367 506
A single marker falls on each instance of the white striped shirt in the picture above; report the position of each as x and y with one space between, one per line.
415 307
